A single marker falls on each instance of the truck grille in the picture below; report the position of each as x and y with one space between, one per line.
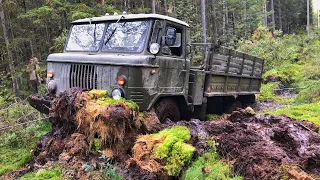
83 76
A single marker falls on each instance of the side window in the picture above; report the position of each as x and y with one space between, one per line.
174 49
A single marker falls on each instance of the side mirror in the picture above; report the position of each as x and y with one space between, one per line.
171 36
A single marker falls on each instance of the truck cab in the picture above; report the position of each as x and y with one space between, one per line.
146 58
140 57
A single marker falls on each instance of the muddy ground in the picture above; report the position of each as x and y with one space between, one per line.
260 146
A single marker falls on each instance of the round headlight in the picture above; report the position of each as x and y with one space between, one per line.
154 48
51 86
116 94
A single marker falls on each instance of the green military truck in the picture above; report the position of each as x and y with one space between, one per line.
146 58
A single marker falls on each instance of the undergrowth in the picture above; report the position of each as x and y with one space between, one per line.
53 173
15 146
105 168
209 167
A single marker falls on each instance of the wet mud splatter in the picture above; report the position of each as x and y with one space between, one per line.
260 146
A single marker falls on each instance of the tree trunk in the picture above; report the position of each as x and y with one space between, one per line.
227 20
308 18
223 18
280 16
273 20
265 19
204 29
153 6
214 23
165 5
245 19
173 7
10 58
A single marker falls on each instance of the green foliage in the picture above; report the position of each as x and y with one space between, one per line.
6 93
13 158
22 138
287 74
210 117
105 168
174 149
309 112
267 91
95 146
15 146
58 45
310 94
284 100
44 174
215 168
17 110
285 50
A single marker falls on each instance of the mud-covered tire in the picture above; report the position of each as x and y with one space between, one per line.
233 106
167 109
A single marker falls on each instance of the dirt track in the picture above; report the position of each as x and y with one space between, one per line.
261 147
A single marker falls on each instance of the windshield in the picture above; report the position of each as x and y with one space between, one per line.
86 37
126 36
119 37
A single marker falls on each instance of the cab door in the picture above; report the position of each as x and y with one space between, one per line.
172 61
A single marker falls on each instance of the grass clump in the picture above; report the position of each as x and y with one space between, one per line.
174 149
109 101
209 167
309 112
103 99
211 117
13 158
267 91
44 174
15 146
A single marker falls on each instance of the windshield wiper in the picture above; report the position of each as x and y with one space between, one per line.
113 31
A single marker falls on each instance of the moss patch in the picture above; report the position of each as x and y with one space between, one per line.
96 94
44 174
13 158
209 166
164 153
15 146
105 101
174 149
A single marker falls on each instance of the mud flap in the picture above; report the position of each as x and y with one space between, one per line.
40 103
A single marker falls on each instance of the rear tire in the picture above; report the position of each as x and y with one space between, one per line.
167 109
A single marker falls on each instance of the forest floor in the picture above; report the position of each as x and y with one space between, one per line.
93 137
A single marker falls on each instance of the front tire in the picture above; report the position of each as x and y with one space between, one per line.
167 110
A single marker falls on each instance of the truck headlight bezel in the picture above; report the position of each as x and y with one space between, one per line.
154 48
51 86
116 94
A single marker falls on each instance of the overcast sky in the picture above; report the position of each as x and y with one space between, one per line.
316 4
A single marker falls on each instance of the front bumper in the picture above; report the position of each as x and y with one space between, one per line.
40 103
